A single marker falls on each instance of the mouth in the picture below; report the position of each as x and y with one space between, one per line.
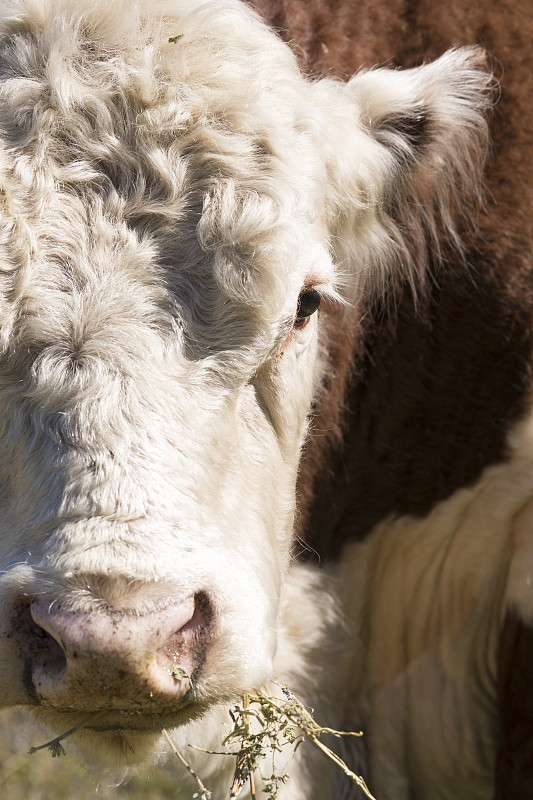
126 721
110 739
102 721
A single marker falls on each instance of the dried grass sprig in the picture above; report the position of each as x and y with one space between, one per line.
203 793
278 723
55 746
281 721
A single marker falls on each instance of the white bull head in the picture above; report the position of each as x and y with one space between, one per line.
177 200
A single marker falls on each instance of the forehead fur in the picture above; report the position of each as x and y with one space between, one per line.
169 144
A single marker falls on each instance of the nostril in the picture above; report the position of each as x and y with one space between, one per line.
48 655
51 653
184 650
52 658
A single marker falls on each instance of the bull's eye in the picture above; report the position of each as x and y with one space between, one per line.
308 302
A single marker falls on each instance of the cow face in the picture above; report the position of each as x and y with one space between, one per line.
177 202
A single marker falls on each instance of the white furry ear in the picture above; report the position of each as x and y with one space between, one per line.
405 153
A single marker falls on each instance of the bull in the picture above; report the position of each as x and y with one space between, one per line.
227 291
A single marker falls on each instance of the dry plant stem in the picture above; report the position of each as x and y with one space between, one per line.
54 745
347 771
235 790
205 793
246 703
302 717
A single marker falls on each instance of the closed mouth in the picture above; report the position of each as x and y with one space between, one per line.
132 721
103 721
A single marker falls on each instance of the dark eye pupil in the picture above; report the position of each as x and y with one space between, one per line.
308 303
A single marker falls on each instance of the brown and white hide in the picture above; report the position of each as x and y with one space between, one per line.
422 482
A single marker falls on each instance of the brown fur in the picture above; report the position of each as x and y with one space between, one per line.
458 370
